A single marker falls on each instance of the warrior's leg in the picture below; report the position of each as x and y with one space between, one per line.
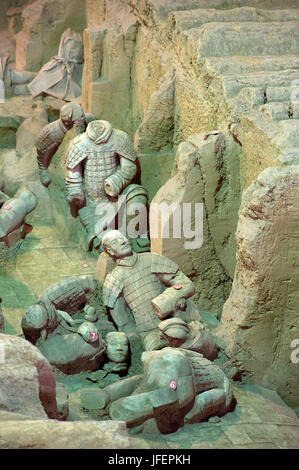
161 404
88 218
43 162
92 222
92 399
214 402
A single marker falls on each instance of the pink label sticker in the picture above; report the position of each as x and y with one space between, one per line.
7 207
93 335
173 384
84 265
177 287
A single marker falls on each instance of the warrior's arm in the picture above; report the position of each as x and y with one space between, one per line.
48 142
122 316
123 176
74 182
174 297
74 188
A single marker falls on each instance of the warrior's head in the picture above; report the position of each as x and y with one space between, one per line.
116 245
70 113
117 347
34 321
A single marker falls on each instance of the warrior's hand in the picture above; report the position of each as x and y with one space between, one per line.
76 202
45 178
113 185
168 302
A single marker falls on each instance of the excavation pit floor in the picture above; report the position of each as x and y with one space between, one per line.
261 419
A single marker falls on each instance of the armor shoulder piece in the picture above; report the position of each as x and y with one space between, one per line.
76 152
111 290
123 145
44 138
163 265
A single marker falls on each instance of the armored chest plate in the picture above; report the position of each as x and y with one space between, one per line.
140 287
98 166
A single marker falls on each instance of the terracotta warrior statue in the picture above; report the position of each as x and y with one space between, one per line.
52 135
117 352
177 387
71 345
61 77
101 166
143 289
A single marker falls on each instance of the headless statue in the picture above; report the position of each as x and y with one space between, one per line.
52 135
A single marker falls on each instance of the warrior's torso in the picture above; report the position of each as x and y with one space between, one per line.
140 285
100 158
102 161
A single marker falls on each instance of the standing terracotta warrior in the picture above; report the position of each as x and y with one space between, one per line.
135 291
52 135
101 165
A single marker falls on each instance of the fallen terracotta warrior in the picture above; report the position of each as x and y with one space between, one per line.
177 387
